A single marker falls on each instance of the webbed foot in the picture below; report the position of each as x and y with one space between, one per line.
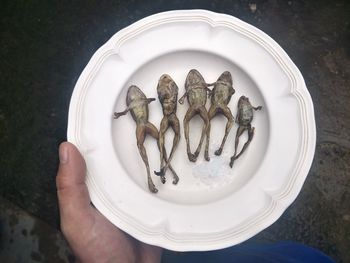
192 157
206 156
162 179
232 161
160 173
152 188
116 115
218 152
175 180
196 153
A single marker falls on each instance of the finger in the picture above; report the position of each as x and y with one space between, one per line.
73 195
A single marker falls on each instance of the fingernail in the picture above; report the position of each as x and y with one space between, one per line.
63 154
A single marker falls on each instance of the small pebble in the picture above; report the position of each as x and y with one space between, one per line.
252 7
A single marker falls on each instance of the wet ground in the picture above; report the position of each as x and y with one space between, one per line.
44 48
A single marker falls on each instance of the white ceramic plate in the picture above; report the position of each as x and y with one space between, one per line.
213 206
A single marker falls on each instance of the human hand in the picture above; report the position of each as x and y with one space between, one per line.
91 236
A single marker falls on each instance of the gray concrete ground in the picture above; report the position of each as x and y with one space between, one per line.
25 238
44 48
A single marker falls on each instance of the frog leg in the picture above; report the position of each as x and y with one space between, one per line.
116 115
149 100
175 124
140 135
164 125
239 132
175 176
152 130
257 108
227 113
213 110
232 91
237 116
189 115
250 137
204 115
182 99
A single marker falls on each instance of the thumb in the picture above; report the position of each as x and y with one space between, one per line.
73 195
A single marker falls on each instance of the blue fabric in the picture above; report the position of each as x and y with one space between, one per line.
286 252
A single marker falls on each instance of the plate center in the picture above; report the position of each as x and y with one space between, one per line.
203 181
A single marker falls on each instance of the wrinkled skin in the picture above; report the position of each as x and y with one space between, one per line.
196 93
244 118
220 97
167 93
137 104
